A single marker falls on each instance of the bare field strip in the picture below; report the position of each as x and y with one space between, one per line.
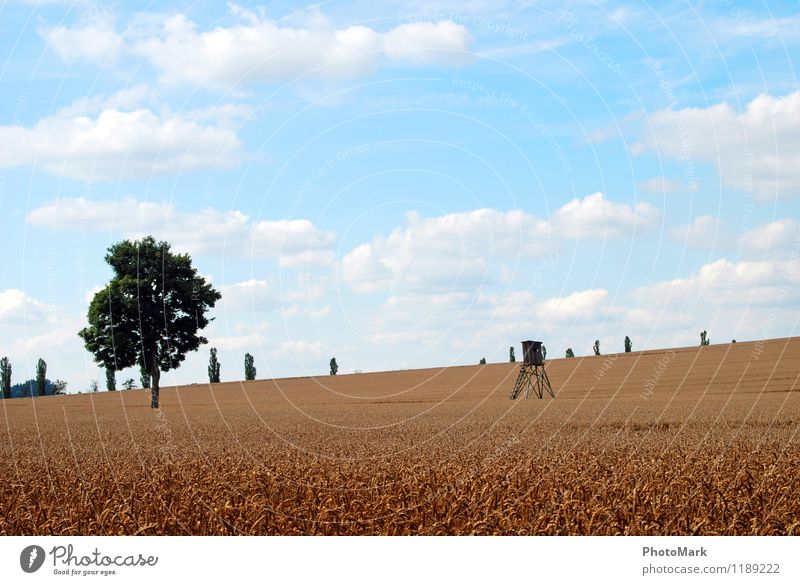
684 441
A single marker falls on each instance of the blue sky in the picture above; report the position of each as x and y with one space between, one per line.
404 184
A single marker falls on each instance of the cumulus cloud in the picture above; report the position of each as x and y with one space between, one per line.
757 150
18 308
250 295
488 320
596 217
94 40
257 49
116 144
244 342
458 249
743 300
440 252
428 42
778 238
726 282
209 231
581 305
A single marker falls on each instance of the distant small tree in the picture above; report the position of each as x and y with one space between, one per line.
570 353
144 377
213 367
482 362
511 357
111 380
5 377
704 340
628 344
249 367
596 347
544 351
59 387
128 384
93 386
41 376
334 366
733 341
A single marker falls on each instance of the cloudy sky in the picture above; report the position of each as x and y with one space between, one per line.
404 184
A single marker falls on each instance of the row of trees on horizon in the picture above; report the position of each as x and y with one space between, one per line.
628 344
37 386
42 386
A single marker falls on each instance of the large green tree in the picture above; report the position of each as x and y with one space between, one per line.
151 311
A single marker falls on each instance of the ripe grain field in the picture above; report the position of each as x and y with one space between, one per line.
685 441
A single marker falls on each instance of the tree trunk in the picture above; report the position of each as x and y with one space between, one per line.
155 375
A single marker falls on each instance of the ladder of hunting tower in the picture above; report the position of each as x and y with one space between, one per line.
532 378
517 387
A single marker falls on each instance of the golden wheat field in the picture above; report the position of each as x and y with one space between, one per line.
685 441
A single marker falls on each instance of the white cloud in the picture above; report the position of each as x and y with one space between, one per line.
90 294
583 305
256 49
727 282
251 295
596 217
744 300
209 231
428 42
116 144
486 320
59 333
774 239
245 342
125 215
17 307
94 40
705 231
441 252
458 249
757 150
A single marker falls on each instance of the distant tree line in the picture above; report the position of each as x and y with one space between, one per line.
627 344
38 386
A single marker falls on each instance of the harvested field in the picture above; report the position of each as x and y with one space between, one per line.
685 441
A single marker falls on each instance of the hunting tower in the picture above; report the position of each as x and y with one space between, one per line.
532 375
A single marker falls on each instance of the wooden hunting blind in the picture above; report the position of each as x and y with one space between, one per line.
532 375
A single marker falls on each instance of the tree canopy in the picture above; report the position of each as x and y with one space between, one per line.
150 313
